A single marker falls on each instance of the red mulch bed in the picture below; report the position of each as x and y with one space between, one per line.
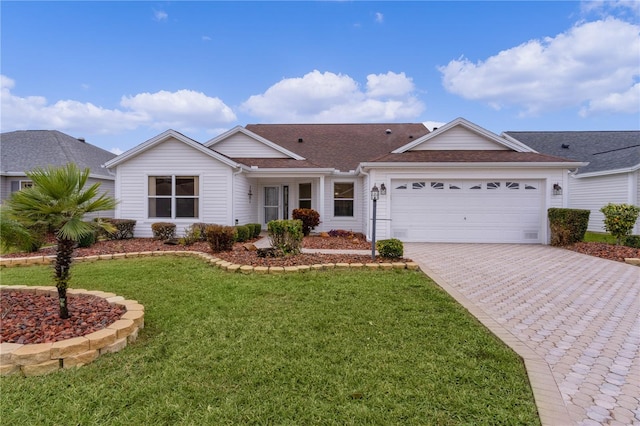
34 319
29 318
606 251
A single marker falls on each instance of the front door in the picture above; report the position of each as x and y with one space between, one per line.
271 203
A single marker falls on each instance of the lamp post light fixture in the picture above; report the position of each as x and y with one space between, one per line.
375 194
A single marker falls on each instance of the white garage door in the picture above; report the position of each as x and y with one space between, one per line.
479 211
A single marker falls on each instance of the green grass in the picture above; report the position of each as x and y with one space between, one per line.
599 237
343 348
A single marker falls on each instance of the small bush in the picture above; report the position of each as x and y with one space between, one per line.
256 229
309 217
243 233
163 230
632 241
220 238
192 235
391 248
286 235
619 219
200 229
87 240
123 228
568 226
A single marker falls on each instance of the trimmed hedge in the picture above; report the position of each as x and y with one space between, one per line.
123 228
163 230
220 238
568 226
243 233
391 248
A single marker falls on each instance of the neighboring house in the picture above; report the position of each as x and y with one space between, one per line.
611 176
24 150
459 183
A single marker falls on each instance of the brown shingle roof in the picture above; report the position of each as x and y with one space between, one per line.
277 163
340 146
468 156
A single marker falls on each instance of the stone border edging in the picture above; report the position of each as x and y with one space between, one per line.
221 263
44 358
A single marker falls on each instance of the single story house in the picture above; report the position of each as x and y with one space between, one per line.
24 150
459 183
612 174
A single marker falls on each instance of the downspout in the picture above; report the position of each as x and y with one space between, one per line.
369 223
233 194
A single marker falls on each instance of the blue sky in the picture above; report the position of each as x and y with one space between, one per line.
118 73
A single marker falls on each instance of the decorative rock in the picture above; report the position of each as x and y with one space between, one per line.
250 247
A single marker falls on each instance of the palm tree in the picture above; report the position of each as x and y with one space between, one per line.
59 200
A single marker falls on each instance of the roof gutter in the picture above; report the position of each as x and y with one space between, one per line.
503 165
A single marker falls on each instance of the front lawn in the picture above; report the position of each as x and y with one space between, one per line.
327 347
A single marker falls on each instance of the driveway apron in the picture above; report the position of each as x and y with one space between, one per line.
573 318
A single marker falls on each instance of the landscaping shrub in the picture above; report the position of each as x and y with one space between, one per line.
309 217
568 226
256 228
163 230
619 219
220 238
88 240
286 235
391 248
243 233
123 228
200 229
632 241
192 234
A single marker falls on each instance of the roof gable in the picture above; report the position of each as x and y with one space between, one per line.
462 135
605 151
163 137
242 143
25 150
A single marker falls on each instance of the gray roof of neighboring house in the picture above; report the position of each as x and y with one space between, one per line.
24 150
604 150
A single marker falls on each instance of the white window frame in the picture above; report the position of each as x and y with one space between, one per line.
310 198
353 199
173 197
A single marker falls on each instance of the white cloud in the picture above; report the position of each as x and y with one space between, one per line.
116 151
160 15
588 64
379 18
183 110
327 97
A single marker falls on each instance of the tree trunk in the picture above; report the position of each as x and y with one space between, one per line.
64 255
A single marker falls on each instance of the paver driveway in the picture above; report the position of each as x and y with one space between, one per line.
574 318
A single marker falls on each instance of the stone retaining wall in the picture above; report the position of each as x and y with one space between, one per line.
223 264
43 358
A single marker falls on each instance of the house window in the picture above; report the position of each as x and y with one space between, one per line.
17 185
173 196
304 196
343 199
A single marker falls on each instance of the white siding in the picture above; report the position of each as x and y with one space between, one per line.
355 223
244 208
174 158
243 146
458 138
593 193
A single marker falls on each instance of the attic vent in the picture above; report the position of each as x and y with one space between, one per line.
388 131
410 136
82 140
565 146
300 140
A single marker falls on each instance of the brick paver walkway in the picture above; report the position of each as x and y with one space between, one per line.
574 318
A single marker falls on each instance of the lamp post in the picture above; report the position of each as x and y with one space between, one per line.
375 193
